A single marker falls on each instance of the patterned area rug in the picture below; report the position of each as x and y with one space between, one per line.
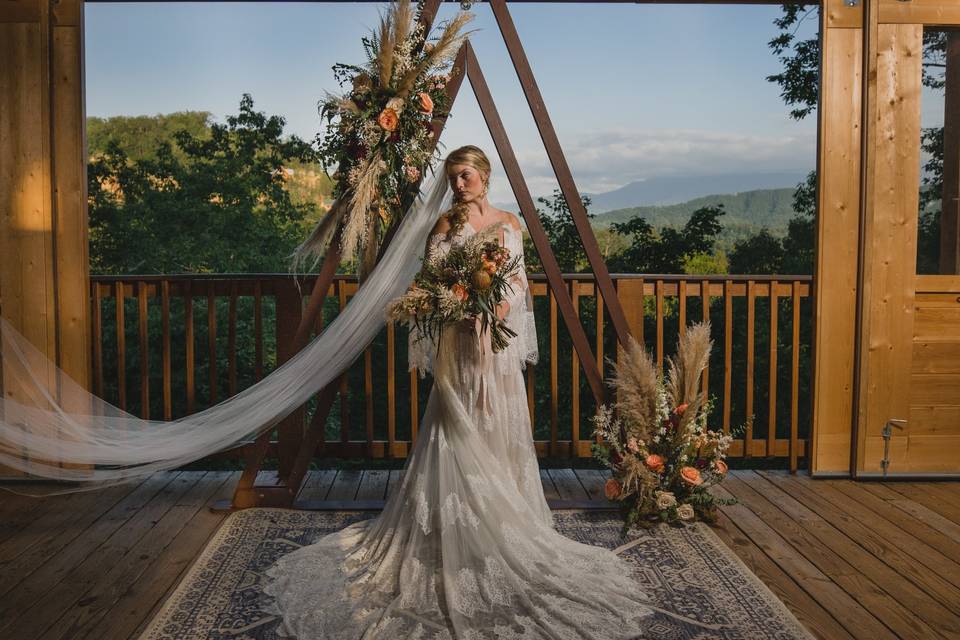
702 589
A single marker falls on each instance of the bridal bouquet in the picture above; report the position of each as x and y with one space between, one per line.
380 132
662 455
468 281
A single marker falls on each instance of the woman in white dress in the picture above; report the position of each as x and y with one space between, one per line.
465 547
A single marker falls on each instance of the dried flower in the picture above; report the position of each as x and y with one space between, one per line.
612 489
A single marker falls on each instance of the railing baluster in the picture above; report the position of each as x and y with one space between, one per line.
212 341
554 376
727 352
189 346
391 392
659 293
795 379
772 392
682 312
144 350
705 302
167 374
344 389
97 326
121 345
232 339
258 329
751 320
575 376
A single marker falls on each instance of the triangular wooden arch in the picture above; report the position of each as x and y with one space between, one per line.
292 471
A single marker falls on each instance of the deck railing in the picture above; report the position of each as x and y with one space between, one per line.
168 345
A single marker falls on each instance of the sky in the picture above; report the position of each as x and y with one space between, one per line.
635 91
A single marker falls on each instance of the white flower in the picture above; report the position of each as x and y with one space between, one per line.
685 512
396 104
665 499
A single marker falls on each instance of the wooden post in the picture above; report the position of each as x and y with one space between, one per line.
835 273
44 270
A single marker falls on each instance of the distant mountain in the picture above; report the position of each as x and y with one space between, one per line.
674 190
771 208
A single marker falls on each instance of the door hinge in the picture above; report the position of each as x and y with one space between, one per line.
887 433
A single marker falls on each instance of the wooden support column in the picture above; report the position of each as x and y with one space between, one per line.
950 213
890 193
43 217
835 279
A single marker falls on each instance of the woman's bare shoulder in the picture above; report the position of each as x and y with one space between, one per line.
442 226
510 218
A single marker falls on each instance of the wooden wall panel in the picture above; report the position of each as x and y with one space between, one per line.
43 222
889 239
838 15
837 232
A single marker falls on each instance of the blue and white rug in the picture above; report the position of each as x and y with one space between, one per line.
703 589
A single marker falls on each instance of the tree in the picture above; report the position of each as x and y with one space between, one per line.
562 233
208 202
670 249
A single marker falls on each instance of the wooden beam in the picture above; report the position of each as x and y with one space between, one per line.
835 281
552 270
560 168
926 12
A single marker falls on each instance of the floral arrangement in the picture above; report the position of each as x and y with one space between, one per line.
468 281
658 446
379 134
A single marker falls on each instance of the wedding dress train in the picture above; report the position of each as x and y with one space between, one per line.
465 546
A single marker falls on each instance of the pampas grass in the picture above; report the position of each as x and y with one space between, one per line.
635 376
685 368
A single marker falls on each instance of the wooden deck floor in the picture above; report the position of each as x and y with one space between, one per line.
851 560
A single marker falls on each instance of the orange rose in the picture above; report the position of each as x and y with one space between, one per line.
612 489
388 119
679 410
654 463
721 467
691 476
426 102
459 291
490 266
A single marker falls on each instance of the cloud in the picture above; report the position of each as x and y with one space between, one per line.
606 160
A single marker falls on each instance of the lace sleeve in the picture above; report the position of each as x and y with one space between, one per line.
421 348
522 349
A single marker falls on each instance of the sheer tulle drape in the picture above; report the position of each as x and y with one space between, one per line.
465 546
49 424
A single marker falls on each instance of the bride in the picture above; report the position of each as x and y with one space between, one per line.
465 547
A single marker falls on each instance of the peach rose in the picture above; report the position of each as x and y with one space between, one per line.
426 102
691 476
680 409
654 463
685 512
490 266
612 489
721 467
388 119
459 291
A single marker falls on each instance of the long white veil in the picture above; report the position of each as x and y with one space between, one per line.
52 427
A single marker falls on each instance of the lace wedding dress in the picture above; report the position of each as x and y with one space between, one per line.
465 547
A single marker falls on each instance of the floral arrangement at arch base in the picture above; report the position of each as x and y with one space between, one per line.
662 455
379 133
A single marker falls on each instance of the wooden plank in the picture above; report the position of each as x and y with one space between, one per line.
935 357
592 481
143 599
885 348
550 490
395 481
835 272
808 611
950 204
345 485
48 593
122 574
925 494
870 554
567 484
373 484
855 619
841 560
317 484
838 14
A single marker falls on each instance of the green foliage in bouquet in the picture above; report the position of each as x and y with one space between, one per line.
658 446
468 281
379 134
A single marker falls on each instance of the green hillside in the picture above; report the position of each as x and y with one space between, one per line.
771 208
